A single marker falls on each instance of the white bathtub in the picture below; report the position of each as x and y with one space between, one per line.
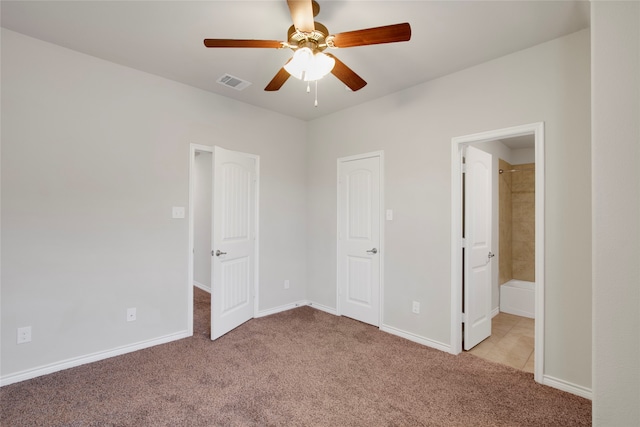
518 297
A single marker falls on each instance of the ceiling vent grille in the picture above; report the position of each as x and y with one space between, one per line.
233 82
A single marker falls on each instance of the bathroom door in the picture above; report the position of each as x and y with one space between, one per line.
477 253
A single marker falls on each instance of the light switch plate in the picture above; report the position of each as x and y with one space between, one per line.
389 215
178 212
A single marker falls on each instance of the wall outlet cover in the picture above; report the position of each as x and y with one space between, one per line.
178 212
416 307
24 335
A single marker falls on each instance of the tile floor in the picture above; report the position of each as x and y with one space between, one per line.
511 342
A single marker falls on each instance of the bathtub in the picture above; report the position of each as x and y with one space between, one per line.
518 297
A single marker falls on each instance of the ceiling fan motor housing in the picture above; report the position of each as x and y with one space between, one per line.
314 40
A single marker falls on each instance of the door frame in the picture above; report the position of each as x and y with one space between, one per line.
193 148
458 143
380 156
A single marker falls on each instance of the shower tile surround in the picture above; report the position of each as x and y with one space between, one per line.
517 222
505 229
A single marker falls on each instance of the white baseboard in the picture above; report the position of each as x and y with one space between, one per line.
281 308
82 360
296 304
323 308
563 385
201 286
495 312
416 338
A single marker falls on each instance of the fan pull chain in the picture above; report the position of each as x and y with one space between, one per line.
316 103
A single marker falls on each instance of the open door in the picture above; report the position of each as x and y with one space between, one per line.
477 252
233 240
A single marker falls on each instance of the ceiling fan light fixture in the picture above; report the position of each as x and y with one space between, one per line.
323 64
307 66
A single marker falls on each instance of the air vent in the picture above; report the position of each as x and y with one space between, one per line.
233 82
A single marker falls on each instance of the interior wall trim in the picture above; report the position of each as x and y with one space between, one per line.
567 386
416 338
296 304
89 358
201 286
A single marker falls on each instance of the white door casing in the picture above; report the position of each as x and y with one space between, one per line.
233 239
359 237
458 143
477 252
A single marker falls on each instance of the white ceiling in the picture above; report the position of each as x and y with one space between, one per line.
166 38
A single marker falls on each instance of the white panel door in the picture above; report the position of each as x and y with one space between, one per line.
477 254
359 239
233 240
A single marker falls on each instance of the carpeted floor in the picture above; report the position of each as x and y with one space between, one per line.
302 367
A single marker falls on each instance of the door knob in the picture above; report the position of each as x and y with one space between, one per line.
373 251
218 253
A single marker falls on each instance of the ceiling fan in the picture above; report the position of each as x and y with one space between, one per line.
308 40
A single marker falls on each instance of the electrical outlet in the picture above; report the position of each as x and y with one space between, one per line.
24 335
416 307
131 314
177 212
286 284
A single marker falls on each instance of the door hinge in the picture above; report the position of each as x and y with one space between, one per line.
464 318
464 168
463 242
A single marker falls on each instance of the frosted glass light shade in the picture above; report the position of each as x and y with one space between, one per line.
309 67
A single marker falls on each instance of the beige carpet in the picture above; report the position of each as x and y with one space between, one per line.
302 367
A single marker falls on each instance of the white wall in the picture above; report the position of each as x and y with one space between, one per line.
523 155
202 219
550 83
615 66
94 155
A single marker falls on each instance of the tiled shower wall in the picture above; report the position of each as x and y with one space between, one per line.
517 222
504 187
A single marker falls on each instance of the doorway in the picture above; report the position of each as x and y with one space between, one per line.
202 192
223 236
459 145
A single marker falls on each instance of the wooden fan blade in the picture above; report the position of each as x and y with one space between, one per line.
242 43
346 75
277 82
378 35
302 15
